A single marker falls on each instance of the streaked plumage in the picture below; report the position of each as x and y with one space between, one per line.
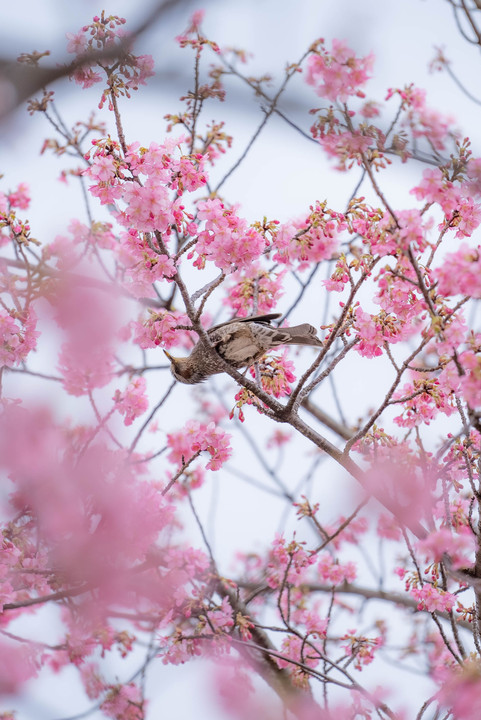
240 342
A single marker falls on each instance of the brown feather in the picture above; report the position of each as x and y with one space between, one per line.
240 342
251 318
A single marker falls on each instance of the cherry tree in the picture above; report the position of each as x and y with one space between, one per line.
106 458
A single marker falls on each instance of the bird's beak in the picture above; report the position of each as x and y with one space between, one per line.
173 360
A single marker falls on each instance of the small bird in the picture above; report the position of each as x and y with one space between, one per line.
240 342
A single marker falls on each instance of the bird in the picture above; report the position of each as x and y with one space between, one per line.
240 342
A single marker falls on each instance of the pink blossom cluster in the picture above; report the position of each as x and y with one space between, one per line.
152 202
18 336
423 120
460 273
192 35
144 265
333 572
14 229
377 232
458 511
149 182
399 296
198 437
463 371
89 321
124 702
452 335
459 689
473 182
19 198
311 618
85 634
338 74
254 290
347 147
161 328
103 33
89 506
69 250
361 648
370 109
456 462
245 397
422 399
388 527
462 212
148 207
308 241
459 546
85 369
293 648
133 401
17 665
181 649
288 562
276 374
411 230
375 330
191 173
193 562
227 239
221 618
432 598
340 276
471 381
435 187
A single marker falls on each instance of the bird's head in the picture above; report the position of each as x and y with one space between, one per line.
183 370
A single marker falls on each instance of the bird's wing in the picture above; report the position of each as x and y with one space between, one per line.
252 318
267 336
235 343
259 318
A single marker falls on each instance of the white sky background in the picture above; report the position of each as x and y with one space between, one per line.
282 177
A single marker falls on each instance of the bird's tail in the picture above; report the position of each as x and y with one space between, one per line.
304 334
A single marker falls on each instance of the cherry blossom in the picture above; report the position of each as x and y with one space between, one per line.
162 328
197 437
227 240
459 690
431 598
17 665
459 547
18 336
459 274
133 402
361 648
276 374
254 290
338 74
124 701
335 573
